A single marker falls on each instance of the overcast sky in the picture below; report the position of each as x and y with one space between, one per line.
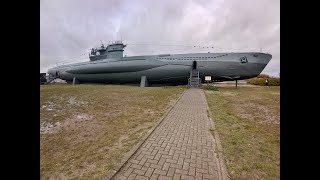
69 28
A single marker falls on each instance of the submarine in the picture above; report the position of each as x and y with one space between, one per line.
108 65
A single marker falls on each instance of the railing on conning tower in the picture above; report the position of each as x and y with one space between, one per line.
112 50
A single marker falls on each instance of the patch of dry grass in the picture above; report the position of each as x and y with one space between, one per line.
248 122
86 129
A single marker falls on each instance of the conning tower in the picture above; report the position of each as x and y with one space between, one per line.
113 50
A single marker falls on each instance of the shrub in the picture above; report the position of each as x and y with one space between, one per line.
261 81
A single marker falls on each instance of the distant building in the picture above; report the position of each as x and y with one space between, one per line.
43 78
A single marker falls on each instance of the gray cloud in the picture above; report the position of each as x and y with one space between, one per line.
70 28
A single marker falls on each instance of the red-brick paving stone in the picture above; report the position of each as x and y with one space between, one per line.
181 147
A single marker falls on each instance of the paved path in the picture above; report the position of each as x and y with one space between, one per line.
181 147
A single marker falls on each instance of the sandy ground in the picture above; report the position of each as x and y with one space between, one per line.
86 129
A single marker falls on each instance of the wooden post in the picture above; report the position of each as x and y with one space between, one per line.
236 83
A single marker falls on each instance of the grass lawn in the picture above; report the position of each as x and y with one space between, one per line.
247 119
86 129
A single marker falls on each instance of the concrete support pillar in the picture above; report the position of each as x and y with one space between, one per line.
144 81
75 81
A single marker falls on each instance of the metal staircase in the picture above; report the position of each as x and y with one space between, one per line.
194 80
50 79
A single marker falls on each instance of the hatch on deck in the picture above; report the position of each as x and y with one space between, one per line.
194 65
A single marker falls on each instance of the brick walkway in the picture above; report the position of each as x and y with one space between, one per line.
181 147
